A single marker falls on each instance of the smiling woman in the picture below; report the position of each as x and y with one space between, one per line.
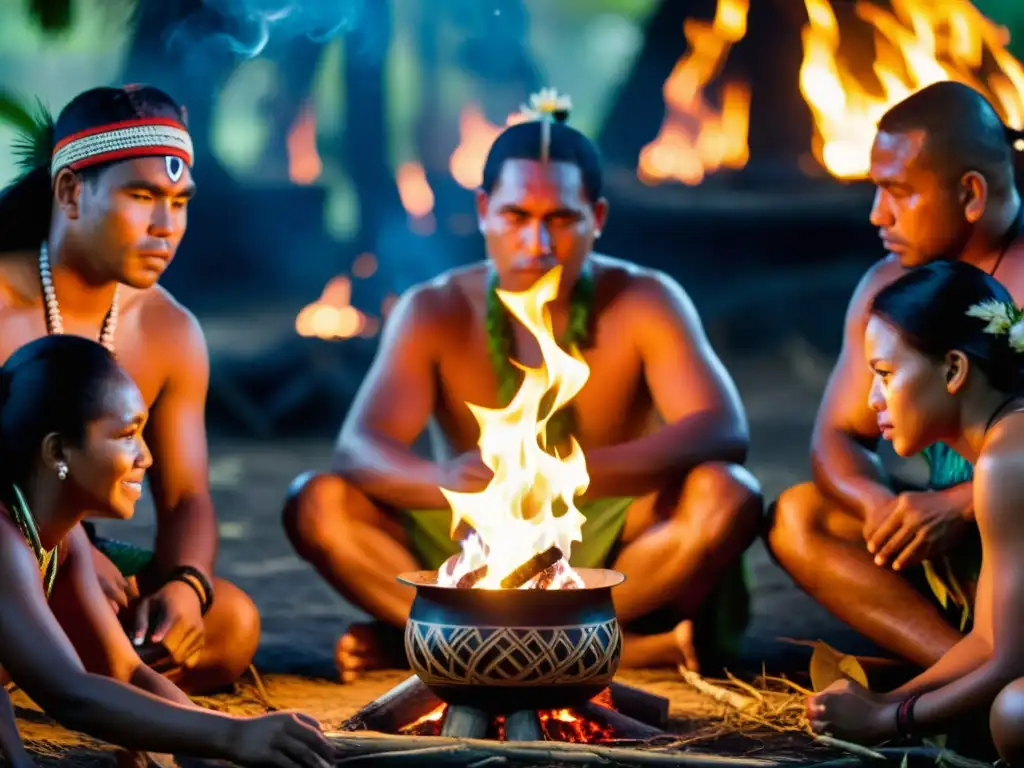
70 444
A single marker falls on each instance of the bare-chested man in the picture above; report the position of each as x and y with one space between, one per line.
86 234
660 422
943 164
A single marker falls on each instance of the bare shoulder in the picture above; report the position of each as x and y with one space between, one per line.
164 320
877 276
441 303
642 293
999 473
19 279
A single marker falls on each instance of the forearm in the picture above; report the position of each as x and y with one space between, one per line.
187 535
964 657
649 463
848 472
123 715
390 473
10 740
147 679
973 692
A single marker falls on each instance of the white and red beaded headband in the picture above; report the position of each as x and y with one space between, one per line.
144 137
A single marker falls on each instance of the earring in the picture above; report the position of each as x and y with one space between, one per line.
62 470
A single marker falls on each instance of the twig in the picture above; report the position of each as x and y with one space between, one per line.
488 761
261 690
721 695
896 754
431 753
846 746
745 686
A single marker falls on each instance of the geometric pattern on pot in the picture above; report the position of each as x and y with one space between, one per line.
450 654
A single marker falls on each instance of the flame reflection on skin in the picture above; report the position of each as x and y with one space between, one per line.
918 43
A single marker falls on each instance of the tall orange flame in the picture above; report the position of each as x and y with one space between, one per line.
696 139
514 517
304 164
918 43
476 134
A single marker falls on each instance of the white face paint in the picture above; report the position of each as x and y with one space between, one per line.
175 167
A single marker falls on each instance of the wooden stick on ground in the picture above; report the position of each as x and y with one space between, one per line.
639 704
622 726
381 744
405 703
722 695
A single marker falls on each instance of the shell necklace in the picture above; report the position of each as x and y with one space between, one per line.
54 323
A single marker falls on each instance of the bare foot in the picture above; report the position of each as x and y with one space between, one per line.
366 647
668 649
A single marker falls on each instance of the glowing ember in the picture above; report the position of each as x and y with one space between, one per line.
332 316
476 134
304 165
557 725
918 43
414 191
528 507
695 138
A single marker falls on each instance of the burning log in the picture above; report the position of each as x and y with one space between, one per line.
471 579
403 704
531 568
623 726
639 705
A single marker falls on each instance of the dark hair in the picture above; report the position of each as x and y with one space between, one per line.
928 305
522 141
26 205
53 384
963 133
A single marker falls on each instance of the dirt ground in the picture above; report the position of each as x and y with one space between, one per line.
302 617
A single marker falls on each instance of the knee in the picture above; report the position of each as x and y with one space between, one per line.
729 498
314 508
791 518
238 620
1006 721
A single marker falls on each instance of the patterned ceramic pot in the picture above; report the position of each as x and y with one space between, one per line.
503 650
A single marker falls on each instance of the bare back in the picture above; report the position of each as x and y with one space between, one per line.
649 360
998 500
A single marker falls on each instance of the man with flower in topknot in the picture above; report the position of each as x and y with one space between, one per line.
659 420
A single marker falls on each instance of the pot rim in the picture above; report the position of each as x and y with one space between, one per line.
593 579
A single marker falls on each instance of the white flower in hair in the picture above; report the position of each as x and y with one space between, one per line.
1017 336
999 315
544 103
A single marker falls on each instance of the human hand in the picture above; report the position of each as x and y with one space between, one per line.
285 739
847 710
921 525
171 617
466 473
119 590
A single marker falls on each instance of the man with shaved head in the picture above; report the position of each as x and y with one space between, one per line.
901 567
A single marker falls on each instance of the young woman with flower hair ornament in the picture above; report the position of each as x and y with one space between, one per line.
945 344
